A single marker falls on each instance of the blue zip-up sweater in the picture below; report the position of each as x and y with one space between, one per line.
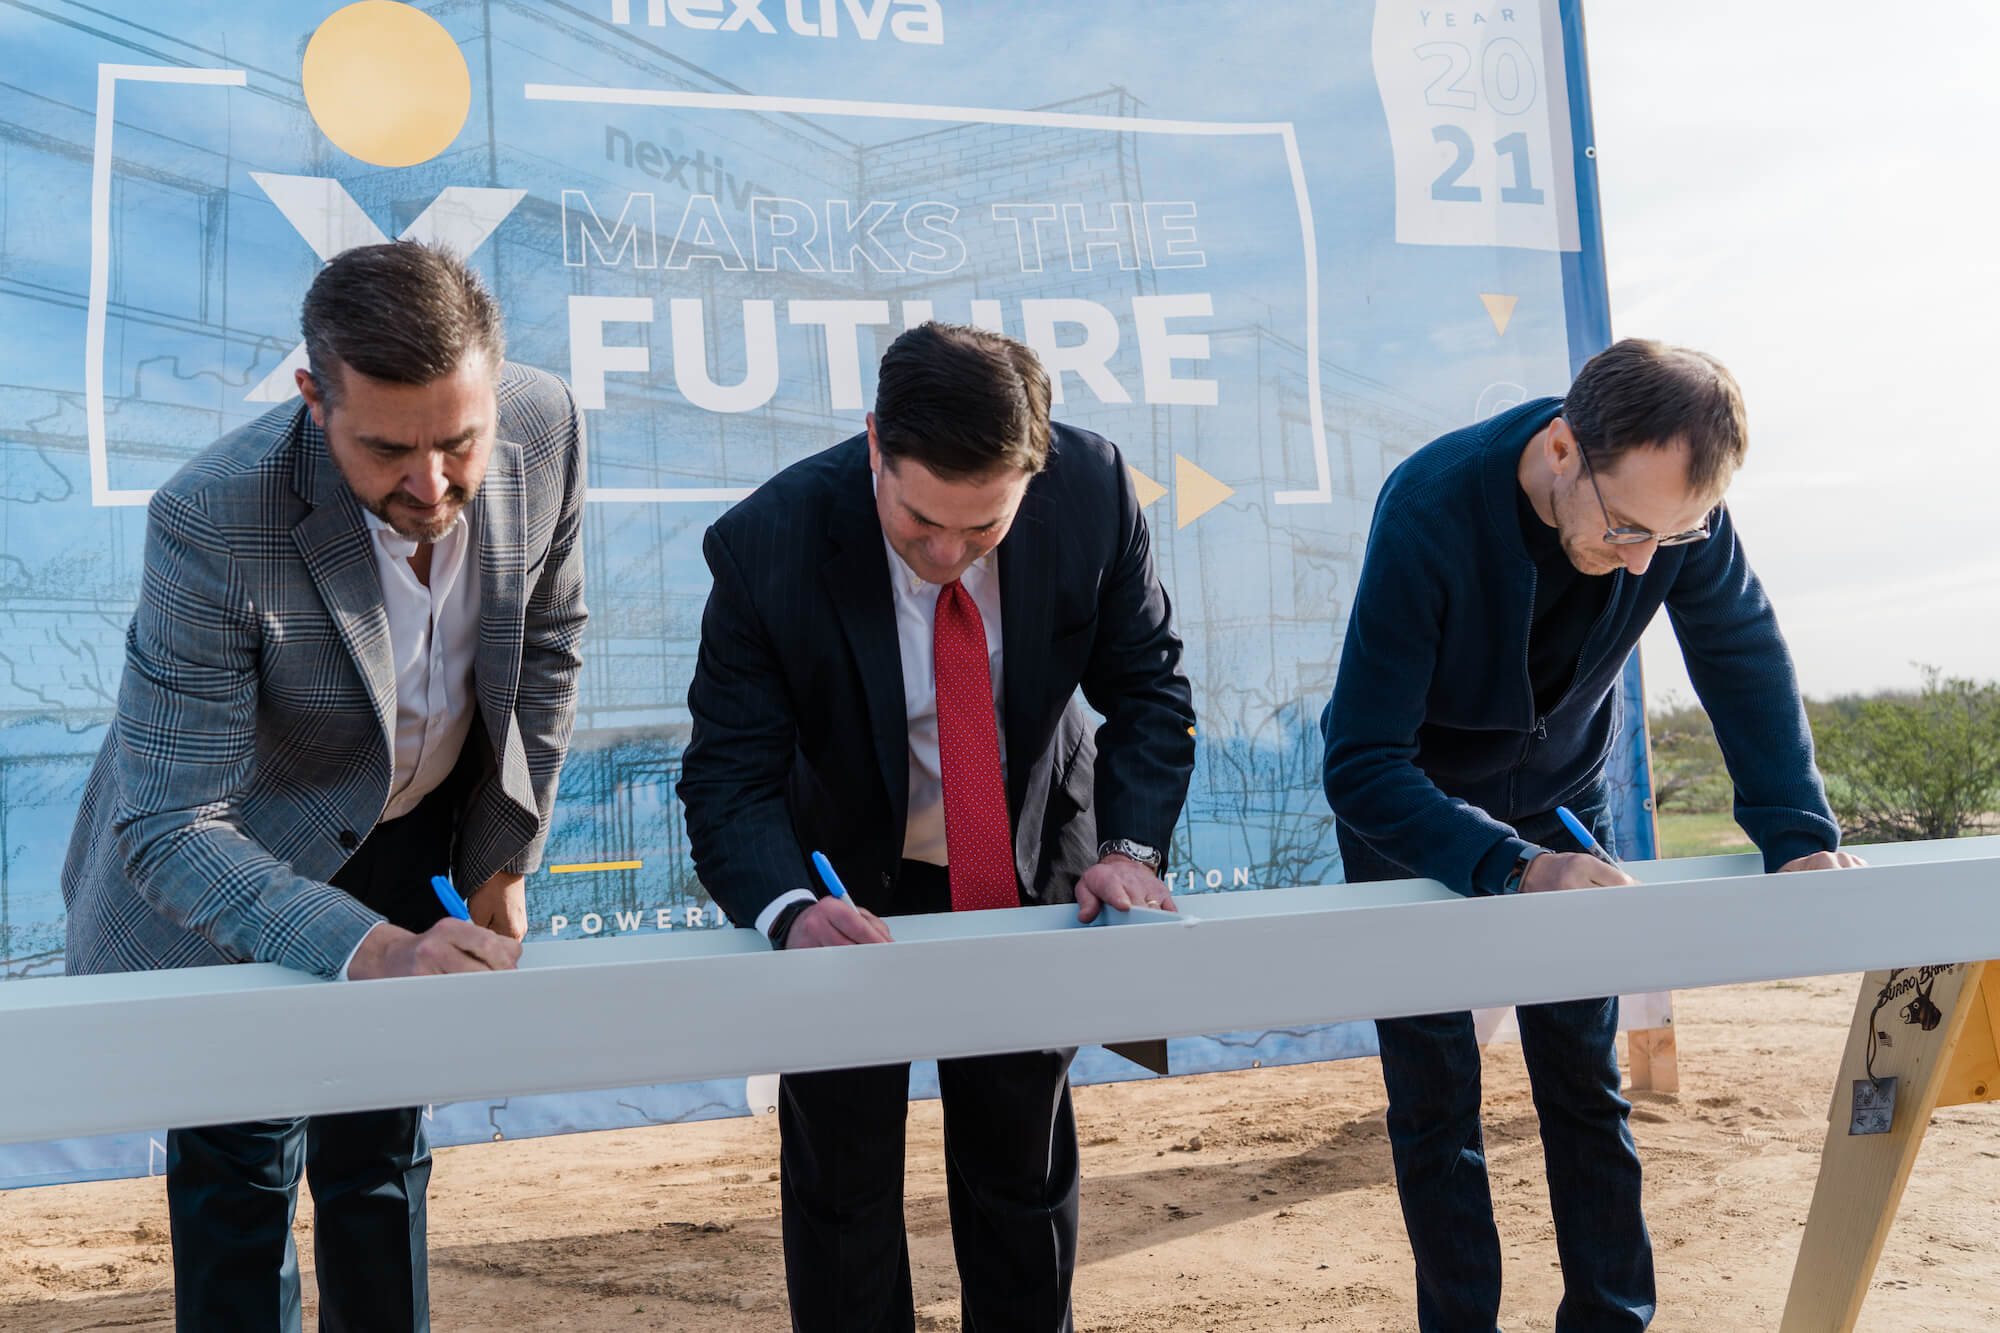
1433 741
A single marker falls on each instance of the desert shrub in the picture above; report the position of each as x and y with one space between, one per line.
1902 767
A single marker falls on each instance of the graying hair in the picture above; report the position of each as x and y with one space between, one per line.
404 312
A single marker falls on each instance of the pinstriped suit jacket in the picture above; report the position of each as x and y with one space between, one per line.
801 734
252 748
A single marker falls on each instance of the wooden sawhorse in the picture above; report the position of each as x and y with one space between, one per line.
1861 1176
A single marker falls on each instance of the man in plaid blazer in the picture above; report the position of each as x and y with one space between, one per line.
353 666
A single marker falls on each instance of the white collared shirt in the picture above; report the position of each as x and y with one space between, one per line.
916 622
433 639
916 628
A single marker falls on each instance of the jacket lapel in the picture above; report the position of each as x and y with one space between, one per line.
499 523
333 542
855 574
1028 557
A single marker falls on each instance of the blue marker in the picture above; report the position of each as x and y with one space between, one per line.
1584 836
831 880
449 897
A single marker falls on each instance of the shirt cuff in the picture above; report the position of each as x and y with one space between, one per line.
342 974
779 904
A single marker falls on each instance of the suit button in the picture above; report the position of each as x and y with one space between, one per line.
348 839
885 879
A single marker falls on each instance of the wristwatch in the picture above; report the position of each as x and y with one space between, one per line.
781 925
1148 857
1519 870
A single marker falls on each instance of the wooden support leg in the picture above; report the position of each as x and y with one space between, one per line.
1861 1177
1975 1067
1655 1060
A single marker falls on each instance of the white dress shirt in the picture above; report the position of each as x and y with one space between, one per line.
916 626
433 638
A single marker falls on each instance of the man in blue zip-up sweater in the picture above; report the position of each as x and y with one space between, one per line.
1511 569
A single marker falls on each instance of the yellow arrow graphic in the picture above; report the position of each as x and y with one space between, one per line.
1500 309
1195 492
1149 490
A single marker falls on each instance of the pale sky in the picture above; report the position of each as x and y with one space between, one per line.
1809 193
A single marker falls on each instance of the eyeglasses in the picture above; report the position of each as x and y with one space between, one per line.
1626 535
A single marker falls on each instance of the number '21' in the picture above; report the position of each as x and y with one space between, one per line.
1515 146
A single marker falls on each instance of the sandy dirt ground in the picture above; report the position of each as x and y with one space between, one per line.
1253 1200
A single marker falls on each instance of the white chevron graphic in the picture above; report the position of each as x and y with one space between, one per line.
325 214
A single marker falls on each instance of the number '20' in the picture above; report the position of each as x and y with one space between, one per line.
1506 73
1507 76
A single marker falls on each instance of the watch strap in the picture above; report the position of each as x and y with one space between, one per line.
781 925
1519 870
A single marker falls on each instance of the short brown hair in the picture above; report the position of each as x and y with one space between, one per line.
404 312
1640 394
963 402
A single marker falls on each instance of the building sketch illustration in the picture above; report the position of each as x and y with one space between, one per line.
712 232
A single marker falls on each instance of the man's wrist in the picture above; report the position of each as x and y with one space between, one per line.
1517 873
1788 847
782 927
372 954
351 953
782 908
1149 857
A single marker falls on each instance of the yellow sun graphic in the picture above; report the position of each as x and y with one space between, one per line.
386 83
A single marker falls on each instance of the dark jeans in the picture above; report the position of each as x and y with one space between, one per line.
1431 1068
232 1189
1011 1176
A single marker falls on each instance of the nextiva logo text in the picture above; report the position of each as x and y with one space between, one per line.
918 21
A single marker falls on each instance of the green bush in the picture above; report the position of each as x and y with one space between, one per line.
1902 767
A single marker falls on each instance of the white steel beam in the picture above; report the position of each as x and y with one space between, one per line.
95 1055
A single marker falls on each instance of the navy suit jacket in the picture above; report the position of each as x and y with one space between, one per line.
801 738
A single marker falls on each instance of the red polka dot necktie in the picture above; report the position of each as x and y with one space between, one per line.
977 841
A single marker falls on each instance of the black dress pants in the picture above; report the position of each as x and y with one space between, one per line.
1011 1176
232 1189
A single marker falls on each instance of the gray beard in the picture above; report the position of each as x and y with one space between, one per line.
423 536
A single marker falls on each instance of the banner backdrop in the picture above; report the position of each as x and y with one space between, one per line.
1270 247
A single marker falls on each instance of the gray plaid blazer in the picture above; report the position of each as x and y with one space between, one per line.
252 748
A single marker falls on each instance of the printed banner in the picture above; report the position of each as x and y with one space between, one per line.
1268 248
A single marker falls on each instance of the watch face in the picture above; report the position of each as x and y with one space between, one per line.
1137 851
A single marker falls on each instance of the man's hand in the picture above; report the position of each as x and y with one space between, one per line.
1823 861
1120 882
1570 870
501 905
832 921
449 946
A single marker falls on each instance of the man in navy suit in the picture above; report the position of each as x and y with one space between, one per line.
889 661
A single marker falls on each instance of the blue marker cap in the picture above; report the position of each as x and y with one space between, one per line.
447 895
831 880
